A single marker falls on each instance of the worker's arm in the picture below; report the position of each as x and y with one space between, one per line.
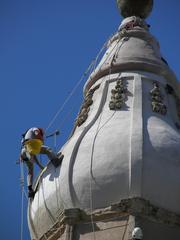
24 156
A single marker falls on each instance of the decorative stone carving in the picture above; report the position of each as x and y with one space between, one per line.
85 108
118 96
157 100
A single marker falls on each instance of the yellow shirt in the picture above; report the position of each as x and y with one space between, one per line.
33 146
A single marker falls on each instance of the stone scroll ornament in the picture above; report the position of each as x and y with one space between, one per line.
157 100
85 108
118 96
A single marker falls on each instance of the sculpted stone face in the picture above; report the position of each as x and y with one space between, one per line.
139 8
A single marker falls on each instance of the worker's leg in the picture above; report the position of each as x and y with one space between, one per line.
56 161
30 174
28 160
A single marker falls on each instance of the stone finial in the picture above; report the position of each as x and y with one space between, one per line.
138 8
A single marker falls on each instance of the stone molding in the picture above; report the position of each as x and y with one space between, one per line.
132 64
137 207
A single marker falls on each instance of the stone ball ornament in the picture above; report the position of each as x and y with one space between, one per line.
138 8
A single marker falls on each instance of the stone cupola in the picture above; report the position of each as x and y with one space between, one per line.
121 167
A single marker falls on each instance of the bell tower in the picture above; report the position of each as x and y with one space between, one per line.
120 176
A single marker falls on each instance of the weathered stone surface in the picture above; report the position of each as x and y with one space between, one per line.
140 8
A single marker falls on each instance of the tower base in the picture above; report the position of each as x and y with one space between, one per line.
116 222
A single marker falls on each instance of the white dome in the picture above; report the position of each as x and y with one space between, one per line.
118 154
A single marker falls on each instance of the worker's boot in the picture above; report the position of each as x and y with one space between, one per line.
31 192
57 161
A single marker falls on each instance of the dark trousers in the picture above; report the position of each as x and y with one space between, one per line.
30 159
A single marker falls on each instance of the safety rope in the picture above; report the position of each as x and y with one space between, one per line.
55 142
23 194
38 211
55 179
67 116
51 216
91 66
90 181
125 230
67 99
22 199
97 131
90 69
91 174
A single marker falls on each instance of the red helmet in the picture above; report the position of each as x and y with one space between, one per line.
33 133
39 132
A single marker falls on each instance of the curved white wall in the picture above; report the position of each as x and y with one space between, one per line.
114 155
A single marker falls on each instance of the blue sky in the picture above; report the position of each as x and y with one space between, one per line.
45 46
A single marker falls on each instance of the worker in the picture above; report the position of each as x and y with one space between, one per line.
32 144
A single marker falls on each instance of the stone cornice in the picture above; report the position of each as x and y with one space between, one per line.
134 206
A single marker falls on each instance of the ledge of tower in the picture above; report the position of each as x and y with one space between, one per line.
132 48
